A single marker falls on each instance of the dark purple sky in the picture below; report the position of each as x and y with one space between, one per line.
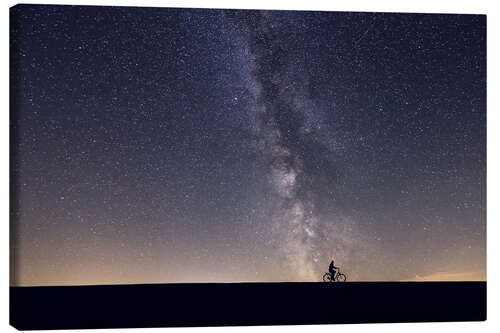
185 145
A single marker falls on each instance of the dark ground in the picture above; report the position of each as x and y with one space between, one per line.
244 304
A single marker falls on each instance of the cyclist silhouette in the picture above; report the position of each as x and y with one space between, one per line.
333 274
332 270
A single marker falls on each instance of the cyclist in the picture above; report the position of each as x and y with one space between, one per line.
332 270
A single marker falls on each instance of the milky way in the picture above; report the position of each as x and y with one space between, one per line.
286 121
188 145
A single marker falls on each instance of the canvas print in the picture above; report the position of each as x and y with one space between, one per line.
184 167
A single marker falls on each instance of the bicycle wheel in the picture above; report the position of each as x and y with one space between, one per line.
327 277
341 277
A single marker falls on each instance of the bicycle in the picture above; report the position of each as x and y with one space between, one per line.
339 277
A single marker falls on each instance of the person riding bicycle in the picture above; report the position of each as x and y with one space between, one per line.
332 270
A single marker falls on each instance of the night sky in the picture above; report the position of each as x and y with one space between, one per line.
157 145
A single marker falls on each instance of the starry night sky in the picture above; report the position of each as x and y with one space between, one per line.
158 145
